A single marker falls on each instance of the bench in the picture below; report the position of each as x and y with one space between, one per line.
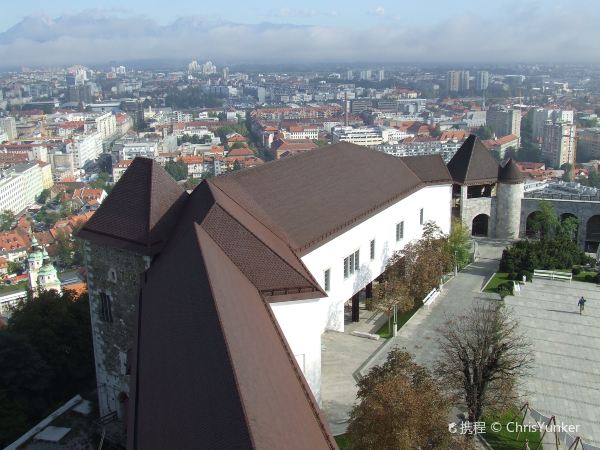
431 297
553 275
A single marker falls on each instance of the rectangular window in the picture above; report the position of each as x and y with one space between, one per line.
372 249
351 264
327 280
105 307
400 231
421 219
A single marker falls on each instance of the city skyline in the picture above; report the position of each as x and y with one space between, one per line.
505 32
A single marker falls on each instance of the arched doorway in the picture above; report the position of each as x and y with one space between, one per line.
575 231
480 225
592 234
531 229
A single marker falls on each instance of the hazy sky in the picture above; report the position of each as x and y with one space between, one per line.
63 32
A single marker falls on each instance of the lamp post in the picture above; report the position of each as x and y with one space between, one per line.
455 263
395 329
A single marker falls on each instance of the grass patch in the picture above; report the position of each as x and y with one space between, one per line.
385 332
8 288
342 441
497 279
507 440
588 277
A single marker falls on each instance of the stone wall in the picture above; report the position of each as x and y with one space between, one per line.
582 210
117 274
508 204
472 207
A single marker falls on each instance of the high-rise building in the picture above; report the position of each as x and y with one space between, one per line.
365 74
504 121
380 75
453 81
542 115
482 80
349 75
588 143
465 79
558 145
9 125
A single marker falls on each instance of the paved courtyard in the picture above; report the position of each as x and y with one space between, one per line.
566 379
345 357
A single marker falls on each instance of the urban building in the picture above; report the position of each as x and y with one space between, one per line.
366 136
85 147
19 186
482 80
541 115
588 144
504 121
9 126
559 143
42 273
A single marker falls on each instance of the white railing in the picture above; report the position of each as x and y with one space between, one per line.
553 275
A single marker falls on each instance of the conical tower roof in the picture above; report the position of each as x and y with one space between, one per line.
510 173
139 212
473 163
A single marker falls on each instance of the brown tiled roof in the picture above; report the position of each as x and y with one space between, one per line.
510 173
140 212
429 168
211 367
319 194
473 163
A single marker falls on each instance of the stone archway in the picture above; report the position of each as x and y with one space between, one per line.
530 229
592 234
480 225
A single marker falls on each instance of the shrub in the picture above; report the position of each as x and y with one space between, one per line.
525 273
597 277
513 276
591 277
576 271
507 285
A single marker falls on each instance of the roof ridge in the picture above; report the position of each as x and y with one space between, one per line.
150 195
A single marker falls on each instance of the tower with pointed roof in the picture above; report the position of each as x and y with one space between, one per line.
486 196
47 276
122 237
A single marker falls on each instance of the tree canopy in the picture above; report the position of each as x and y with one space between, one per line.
177 169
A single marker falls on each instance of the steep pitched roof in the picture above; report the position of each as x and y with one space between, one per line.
140 212
510 173
340 185
473 163
197 381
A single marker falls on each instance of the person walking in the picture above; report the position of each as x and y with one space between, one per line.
581 304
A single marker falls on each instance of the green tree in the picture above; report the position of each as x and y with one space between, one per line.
7 219
104 162
43 197
458 245
65 342
64 246
568 175
177 169
236 165
15 267
392 294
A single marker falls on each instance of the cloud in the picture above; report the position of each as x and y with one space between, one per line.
289 12
526 35
379 11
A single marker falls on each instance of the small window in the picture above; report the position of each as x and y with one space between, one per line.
112 275
421 218
351 264
327 277
400 231
105 307
372 249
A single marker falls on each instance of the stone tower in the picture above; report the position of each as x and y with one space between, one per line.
122 237
510 191
35 260
47 277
